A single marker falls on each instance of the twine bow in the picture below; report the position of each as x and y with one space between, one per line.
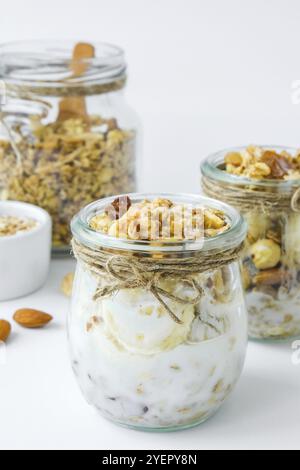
118 272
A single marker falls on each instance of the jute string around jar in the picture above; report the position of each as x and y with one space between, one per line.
247 198
116 272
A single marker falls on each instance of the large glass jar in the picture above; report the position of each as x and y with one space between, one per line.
68 137
271 258
133 362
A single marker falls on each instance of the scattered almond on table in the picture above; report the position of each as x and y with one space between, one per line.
5 329
30 318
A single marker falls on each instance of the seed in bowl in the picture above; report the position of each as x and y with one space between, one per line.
10 225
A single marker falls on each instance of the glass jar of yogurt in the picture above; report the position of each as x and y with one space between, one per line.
67 135
158 324
263 183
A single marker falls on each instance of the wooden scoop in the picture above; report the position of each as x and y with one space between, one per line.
75 106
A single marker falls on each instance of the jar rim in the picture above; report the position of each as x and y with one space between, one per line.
231 238
48 64
210 168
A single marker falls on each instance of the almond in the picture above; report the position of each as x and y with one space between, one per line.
5 330
271 277
30 318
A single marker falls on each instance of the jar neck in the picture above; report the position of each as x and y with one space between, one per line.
47 69
29 90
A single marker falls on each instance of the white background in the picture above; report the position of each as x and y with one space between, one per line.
203 75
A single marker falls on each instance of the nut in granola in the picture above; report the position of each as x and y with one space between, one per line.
266 254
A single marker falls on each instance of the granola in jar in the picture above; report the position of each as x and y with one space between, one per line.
158 325
264 182
67 139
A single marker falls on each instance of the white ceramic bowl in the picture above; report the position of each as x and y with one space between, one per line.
24 257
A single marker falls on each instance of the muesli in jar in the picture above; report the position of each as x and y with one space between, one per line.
264 184
68 137
158 324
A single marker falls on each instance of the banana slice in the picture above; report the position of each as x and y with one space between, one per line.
138 322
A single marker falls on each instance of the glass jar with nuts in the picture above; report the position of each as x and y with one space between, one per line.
67 137
158 324
264 184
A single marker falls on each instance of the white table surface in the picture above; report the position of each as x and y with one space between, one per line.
41 406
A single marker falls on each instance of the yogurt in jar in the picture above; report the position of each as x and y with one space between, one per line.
165 357
139 367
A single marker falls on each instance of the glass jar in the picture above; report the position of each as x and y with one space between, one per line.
271 258
132 361
68 135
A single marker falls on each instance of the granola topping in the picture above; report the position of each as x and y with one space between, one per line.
158 219
257 163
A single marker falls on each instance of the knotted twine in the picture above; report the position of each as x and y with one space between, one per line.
116 272
246 198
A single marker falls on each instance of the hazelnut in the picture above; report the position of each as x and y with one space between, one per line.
266 254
